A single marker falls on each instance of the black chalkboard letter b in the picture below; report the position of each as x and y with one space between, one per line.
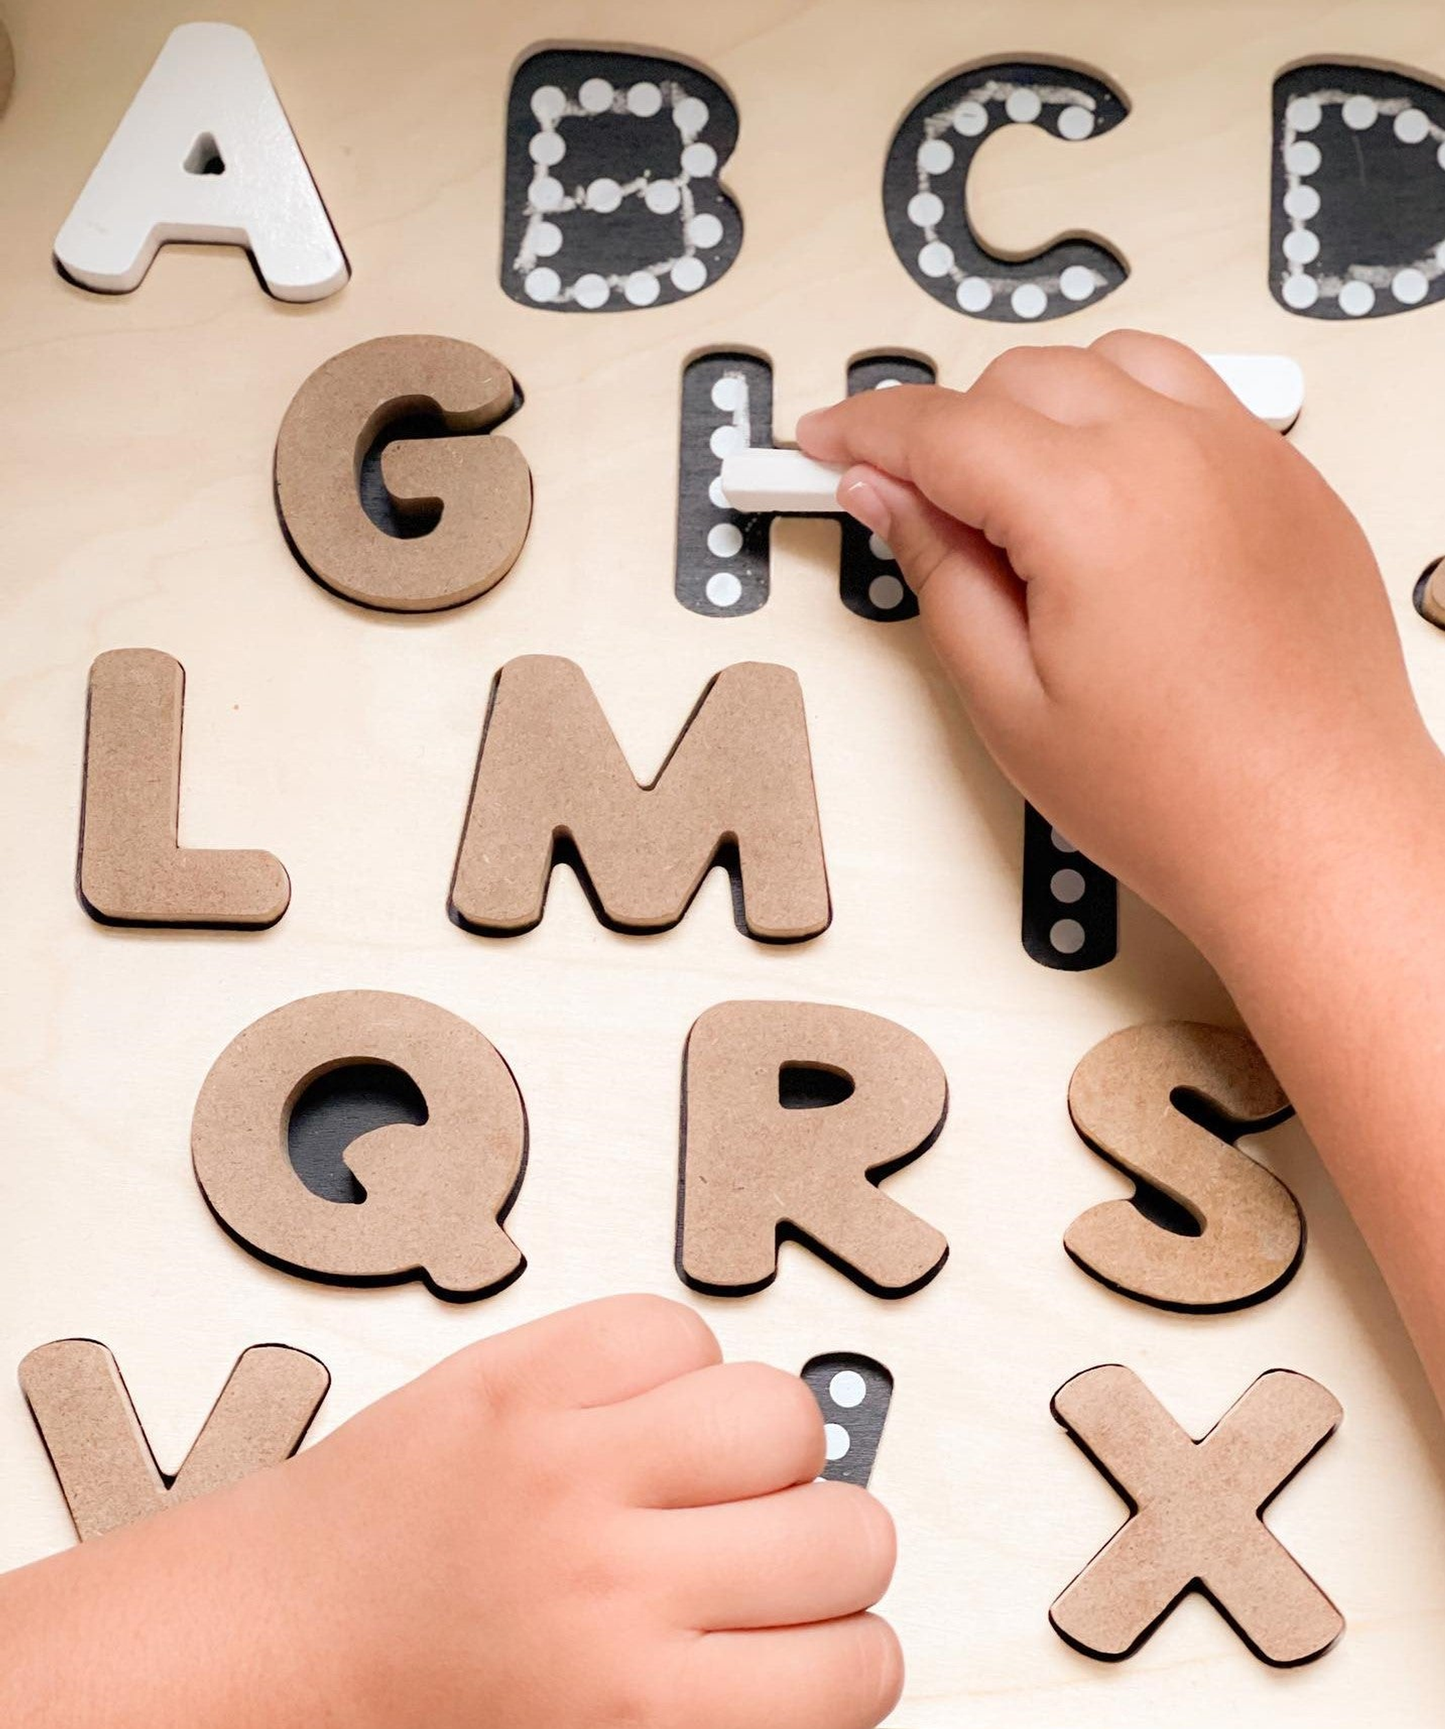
612 200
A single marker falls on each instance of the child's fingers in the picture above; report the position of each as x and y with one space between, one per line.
721 1434
597 1353
983 459
1166 367
834 1675
814 1553
961 580
1075 387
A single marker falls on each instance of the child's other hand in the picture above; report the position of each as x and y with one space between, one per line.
1168 629
592 1520
589 1521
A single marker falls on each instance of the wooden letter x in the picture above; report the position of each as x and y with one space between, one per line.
1196 1519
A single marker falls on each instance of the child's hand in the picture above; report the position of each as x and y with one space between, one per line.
588 1521
579 1522
1172 635
1168 629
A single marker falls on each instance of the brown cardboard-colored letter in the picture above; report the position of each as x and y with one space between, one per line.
436 1193
132 868
754 1171
1196 1521
482 484
1122 1099
551 767
105 1466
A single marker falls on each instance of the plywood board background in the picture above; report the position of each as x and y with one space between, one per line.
137 440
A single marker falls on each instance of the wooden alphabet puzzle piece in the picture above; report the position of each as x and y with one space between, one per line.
203 153
1142 1099
1357 207
740 775
1195 1515
336 1108
853 1393
723 562
104 1463
754 1172
472 494
925 196
131 867
613 200
435 1194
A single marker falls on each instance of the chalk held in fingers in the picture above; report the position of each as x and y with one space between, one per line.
785 482
780 480
1271 386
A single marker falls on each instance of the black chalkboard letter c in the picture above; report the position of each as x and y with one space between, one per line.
925 181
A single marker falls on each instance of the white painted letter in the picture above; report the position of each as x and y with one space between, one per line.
204 152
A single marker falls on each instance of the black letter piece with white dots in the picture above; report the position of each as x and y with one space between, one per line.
723 561
1357 205
853 1393
1070 904
612 199
925 197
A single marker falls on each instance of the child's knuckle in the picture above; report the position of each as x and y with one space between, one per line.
1007 370
1098 495
643 1319
598 1574
482 1394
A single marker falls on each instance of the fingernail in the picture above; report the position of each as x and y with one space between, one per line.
864 503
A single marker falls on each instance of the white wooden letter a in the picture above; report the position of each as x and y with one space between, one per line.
205 152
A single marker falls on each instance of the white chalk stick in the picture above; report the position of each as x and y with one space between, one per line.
785 482
779 480
1269 385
